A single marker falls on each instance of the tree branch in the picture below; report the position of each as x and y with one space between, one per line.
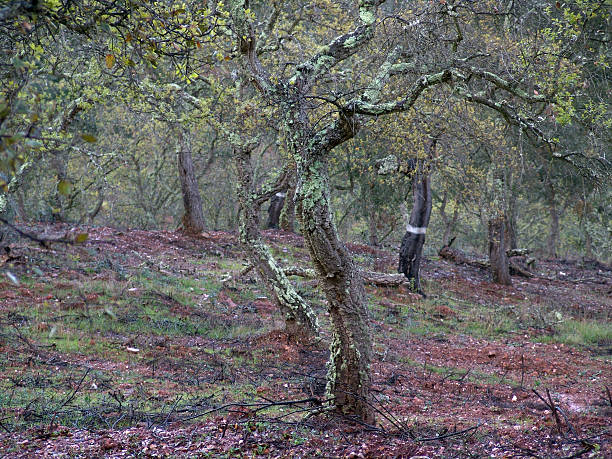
340 48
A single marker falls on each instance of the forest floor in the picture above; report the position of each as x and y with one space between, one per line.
150 344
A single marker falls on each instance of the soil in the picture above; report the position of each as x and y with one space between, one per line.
455 386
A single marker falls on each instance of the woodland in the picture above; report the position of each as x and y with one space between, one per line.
365 228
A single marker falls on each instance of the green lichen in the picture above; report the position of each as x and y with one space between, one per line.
312 191
350 42
322 63
366 15
387 165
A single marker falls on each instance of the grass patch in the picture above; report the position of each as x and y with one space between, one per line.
585 332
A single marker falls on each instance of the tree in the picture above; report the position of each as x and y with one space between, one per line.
411 249
312 133
193 218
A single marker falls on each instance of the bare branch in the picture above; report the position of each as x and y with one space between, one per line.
340 48
363 107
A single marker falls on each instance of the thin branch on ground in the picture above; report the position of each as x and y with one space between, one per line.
40 240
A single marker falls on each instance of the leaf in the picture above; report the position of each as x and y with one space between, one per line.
63 187
81 237
89 138
110 61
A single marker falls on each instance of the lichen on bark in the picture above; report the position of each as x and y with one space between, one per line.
300 319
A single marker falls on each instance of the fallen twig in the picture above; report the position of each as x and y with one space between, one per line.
70 397
451 434
42 241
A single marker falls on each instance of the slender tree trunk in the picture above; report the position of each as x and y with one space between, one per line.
500 264
193 217
512 220
411 249
348 381
449 226
553 235
588 245
20 206
58 163
300 320
91 215
369 213
274 210
287 215
372 227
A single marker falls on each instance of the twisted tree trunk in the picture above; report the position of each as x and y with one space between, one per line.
300 320
348 379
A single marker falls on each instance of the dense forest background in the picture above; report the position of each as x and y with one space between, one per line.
91 126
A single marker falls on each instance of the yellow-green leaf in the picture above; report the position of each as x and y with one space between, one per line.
81 237
110 61
89 138
63 187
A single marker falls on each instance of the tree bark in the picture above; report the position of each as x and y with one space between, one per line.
193 216
372 228
300 320
287 215
588 244
58 162
500 265
368 277
512 221
553 235
348 380
274 210
411 249
91 215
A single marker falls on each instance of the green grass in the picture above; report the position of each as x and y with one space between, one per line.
585 332
458 374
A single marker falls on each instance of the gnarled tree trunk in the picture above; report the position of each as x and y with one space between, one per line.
193 216
300 320
500 264
348 381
